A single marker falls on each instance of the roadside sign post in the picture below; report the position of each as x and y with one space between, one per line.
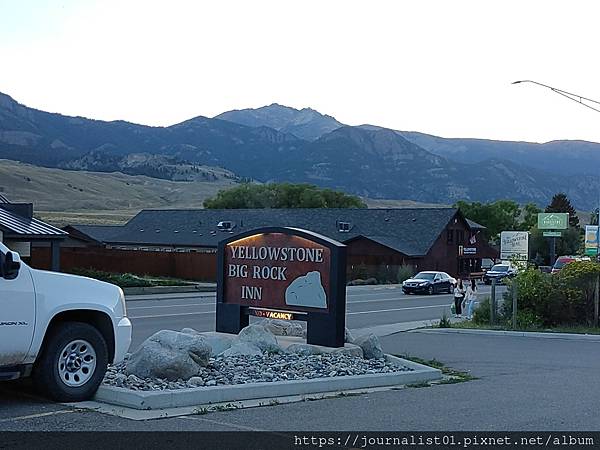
493 303
284 273
596 301
552 221
514 305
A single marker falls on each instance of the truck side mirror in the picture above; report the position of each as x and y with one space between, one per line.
11 265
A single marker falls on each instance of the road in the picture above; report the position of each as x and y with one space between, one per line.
367 306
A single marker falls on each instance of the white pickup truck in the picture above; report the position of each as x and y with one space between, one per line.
63 330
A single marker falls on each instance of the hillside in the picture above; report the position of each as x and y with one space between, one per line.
558 157
109 196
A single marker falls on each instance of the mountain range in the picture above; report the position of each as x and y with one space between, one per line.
278 143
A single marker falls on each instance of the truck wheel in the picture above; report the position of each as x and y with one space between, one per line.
72 363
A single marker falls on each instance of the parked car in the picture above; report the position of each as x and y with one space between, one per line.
61 329
499 272
562 261
429 282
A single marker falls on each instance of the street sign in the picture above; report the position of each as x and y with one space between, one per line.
553 221
552 234
591 240
514 245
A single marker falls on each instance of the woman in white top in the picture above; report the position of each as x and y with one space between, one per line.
459 295
471 298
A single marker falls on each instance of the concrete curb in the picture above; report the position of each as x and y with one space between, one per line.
203 287
145 400
528 334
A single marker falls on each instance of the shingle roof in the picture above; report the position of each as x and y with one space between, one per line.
100 233
14 224
411 231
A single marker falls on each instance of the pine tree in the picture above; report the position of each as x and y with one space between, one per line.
560 204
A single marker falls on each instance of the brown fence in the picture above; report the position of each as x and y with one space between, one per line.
189 266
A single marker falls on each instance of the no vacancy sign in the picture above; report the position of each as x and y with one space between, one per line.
285 273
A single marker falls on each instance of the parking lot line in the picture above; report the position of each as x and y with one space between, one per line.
37 416
218 422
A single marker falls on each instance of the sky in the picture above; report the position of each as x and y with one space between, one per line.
439 67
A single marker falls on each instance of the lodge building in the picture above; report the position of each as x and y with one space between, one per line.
183 243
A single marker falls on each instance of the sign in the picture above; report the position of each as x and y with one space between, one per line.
284 270
553 221
514 245
469 250
591 240
552 234
280 315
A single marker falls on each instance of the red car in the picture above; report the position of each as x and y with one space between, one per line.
561 262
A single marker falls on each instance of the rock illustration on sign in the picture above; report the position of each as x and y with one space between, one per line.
306 290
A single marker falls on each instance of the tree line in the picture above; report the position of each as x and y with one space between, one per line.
507 215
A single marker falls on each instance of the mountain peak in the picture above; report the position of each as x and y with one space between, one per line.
6 101
305 123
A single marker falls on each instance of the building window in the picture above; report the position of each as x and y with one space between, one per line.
450 236
460 236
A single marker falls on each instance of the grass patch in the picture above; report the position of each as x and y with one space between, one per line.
451 376
575 329
422 384
125 280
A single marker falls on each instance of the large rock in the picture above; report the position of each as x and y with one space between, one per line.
349 350
170 355
219 342
348 336
242 349
283 327
259 336
371 346
304 349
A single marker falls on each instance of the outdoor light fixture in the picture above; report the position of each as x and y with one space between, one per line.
575 97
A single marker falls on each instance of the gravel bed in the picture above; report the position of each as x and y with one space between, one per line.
255 369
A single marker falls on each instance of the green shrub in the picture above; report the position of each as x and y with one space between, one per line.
527 319
566 298
481 315
444 322
404 273
358 272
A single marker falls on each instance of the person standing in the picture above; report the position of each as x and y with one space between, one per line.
471 298
459 296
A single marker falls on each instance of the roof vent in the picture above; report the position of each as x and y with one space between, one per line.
344 227
225 225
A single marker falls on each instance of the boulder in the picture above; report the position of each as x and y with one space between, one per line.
242 349
371 346
304 349
219 342
260 337
170 355
348 336
349 350
283 327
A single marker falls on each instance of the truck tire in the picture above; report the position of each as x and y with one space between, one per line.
72 363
